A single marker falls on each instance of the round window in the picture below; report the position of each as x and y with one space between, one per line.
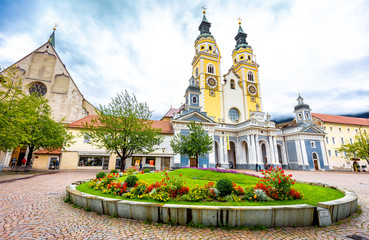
37 88
234 115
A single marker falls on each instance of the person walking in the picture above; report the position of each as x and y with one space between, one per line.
57 164
24 161
257 167
14 160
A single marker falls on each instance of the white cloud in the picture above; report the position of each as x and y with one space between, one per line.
318 48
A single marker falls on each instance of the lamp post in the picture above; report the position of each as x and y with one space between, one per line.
162 159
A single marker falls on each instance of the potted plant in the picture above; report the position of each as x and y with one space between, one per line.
363 167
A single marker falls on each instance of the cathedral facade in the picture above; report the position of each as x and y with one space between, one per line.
230 109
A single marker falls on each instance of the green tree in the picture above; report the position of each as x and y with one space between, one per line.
11 108
358 149
25 120
123 127
194 145
40 130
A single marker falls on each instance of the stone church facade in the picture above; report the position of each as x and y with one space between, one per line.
43 71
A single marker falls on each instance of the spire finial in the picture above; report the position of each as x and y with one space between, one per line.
55 26
204 9
239 21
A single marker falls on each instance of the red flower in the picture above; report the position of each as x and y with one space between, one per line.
180 175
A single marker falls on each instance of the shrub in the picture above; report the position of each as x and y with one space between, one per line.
224 186
114 171
146 170
277 185
131 170
100 175
131 180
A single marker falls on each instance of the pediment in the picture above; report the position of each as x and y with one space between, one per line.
195 116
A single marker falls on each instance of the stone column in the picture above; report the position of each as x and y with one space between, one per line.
271 148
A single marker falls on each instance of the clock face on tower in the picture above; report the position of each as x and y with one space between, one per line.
212 82
252 89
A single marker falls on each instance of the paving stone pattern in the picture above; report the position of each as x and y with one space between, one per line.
34 209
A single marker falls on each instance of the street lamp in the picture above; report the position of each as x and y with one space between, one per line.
162 158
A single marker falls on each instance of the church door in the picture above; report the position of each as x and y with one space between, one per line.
315 160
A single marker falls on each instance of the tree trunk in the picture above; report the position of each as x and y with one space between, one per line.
122 165
29 156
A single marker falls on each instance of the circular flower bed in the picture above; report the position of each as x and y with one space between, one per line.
274 186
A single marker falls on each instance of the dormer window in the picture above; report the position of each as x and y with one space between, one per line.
250 76
210 69
232 84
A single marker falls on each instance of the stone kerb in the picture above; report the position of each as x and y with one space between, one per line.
301 215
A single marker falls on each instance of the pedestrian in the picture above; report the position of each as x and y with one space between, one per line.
217 166
24 161
14 160
140 165
57 164
257 167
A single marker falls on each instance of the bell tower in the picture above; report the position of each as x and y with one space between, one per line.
245 66
206 71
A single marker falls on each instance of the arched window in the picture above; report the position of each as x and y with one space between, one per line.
234 115
307 115
232 84
194 99
300 116
250 76
210 68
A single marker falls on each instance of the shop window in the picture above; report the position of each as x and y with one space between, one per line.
136 161
92 161
150 161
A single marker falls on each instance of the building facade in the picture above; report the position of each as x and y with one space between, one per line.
340 130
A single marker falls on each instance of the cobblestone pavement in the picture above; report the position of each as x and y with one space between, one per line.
34 209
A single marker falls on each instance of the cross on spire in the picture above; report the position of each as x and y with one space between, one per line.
239 20
204 9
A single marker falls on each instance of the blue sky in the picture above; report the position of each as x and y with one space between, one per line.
318 48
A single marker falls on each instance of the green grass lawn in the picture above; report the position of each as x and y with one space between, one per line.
312 194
